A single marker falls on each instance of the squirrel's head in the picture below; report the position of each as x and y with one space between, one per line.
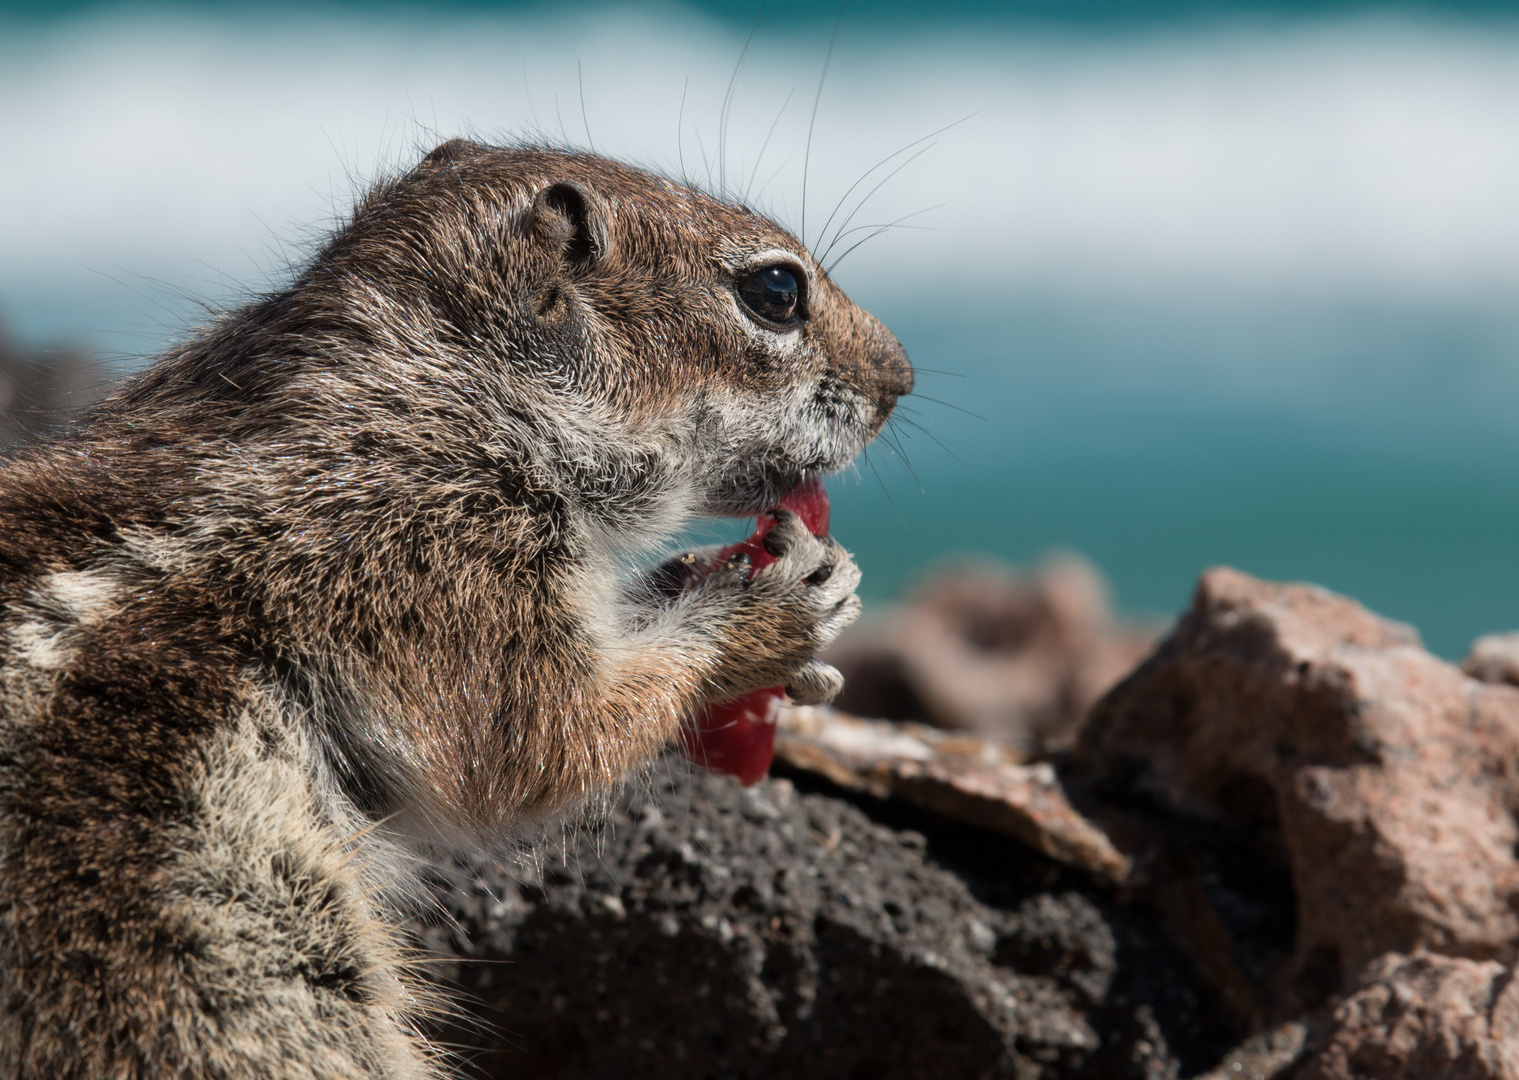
647 330
510 368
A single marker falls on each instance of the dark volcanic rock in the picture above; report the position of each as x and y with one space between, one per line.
721 932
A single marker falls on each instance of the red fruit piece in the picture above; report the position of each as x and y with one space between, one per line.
808 501
737 737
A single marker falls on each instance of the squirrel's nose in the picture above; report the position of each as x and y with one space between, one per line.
896 369
890 370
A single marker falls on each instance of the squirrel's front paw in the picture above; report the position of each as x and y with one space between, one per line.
813 577
815 683
786 612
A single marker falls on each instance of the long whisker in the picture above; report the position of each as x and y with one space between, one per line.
884 489
888 226
896 224
949 405
527 87
895 442
930 434
879 229
702 149
680 131
883 161
563 134
773 175
580 79
884 180
754 173
722 116
811 124
893 439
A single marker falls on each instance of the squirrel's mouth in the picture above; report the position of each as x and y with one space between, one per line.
754 493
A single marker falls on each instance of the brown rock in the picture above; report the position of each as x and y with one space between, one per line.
1494 658
1424 1016
964 779
1270 1055
1385 775
986 650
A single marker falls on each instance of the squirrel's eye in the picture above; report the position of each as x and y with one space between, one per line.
772 293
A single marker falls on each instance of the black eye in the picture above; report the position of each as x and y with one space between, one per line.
772 293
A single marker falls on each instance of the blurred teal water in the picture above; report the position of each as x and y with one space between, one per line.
1371 448
1372 451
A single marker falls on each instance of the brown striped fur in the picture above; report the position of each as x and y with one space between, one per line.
340 581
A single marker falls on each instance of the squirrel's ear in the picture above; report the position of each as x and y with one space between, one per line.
564 217
450 151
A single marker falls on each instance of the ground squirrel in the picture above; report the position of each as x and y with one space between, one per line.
343 581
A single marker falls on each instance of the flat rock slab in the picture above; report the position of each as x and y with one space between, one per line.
1270 1055
967 779
712 931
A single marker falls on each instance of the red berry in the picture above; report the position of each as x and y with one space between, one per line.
737 737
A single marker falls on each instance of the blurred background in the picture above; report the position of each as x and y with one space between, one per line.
1187 283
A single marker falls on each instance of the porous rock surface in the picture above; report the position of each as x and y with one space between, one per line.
1424 1016
713 931
1382 779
